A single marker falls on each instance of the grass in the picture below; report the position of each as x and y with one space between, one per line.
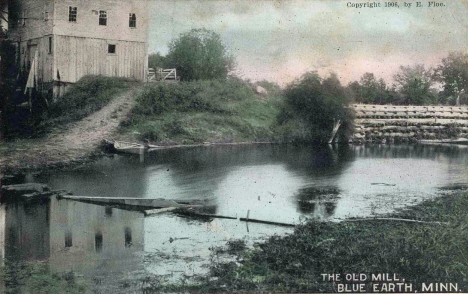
88 95
417 252
36 278
196 112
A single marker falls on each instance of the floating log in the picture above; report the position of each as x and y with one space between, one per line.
138 203
266 222
194 213
22 191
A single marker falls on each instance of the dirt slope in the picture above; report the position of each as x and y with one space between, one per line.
77 141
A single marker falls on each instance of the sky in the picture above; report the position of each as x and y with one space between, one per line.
281 40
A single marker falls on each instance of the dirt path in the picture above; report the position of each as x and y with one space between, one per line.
76 142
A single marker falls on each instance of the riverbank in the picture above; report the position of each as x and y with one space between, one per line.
174 114
74 133
220 111
431 250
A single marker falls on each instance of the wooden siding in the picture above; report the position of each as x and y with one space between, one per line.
35 24
87 22
77 56
45 63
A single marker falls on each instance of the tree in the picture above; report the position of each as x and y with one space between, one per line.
156 60
453 73
200 55
415 83
369 90
315 105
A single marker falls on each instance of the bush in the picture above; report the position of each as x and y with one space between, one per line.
199 55
200 111
311 107
89 94
212 96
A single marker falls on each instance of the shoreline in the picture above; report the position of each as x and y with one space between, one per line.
36 162
415 251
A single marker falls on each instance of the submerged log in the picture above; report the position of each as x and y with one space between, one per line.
138 203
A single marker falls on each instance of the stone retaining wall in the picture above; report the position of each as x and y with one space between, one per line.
390 123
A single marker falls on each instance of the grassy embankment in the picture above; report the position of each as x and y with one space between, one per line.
87 96
417 252
203 111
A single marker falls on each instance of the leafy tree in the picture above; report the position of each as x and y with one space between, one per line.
313 105
355 91
200 55
415 83
156 60
369 90
453 73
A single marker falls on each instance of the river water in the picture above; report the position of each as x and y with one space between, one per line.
273 182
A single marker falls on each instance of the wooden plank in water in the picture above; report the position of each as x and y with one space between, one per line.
158 211
266 222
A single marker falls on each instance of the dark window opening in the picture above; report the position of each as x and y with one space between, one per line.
68 239
50 45
132 20
128 237
72 13
111 49
108 211
102 18
98 241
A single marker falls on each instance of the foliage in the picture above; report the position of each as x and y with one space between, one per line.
417 252
202 111
156 60
312 105
372 91
88 95
200 55
453 73
415 84
36 278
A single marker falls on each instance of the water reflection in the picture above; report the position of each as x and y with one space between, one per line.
276 183
270 180
108 243
72 236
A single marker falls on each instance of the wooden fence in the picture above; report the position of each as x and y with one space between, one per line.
161 74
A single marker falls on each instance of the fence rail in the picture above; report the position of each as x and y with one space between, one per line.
162 74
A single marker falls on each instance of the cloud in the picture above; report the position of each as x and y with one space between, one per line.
280 40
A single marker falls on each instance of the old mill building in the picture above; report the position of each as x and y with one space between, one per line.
60 41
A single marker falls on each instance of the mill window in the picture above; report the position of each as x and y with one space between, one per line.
68 239
128 237
98 241
132 20
111 49
72 13
102 17
50 45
